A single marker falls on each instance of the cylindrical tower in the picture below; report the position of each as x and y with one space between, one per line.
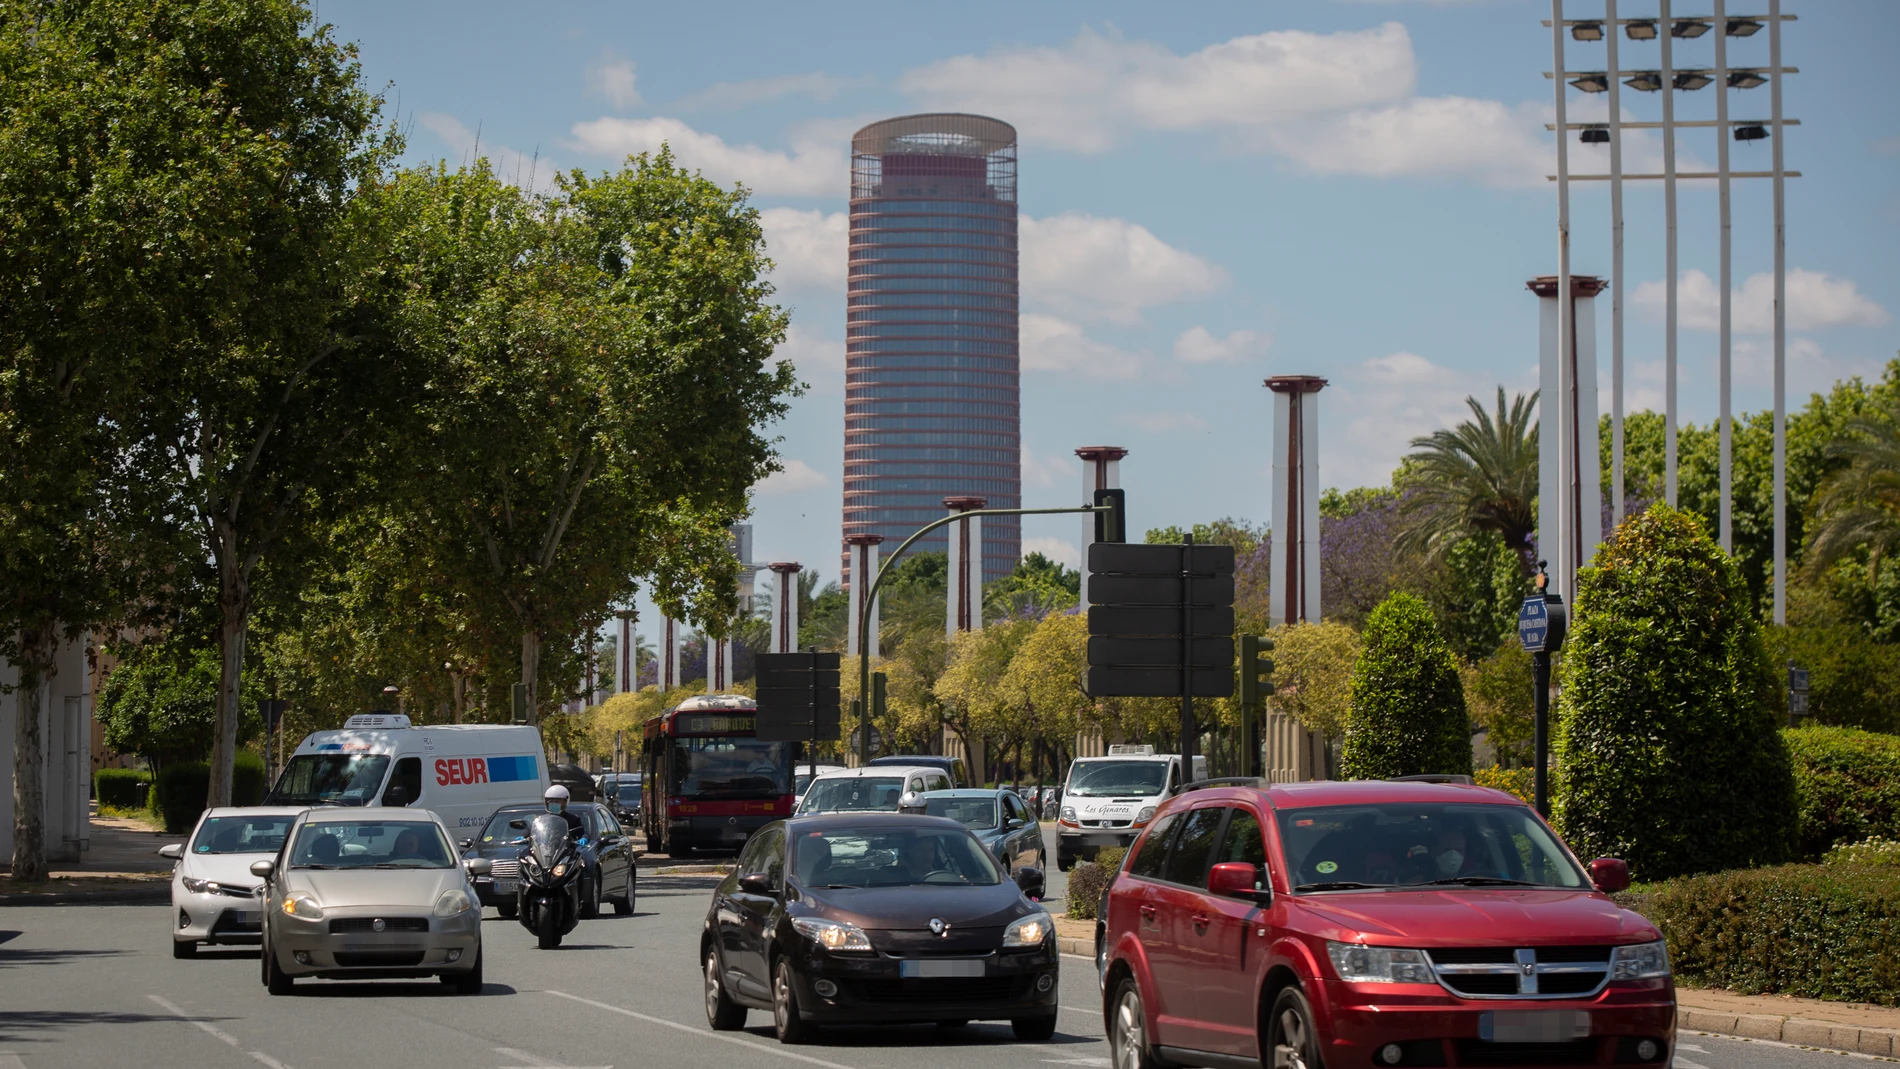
933 402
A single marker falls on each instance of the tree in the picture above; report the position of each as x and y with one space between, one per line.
1478 476
1312 674
975 703
1858 506
161 703
1501 691
1665 746
1038 587
1408 706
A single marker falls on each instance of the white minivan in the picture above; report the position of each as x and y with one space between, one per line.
462 772
1107 801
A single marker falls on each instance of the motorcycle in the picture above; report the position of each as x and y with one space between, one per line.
548 900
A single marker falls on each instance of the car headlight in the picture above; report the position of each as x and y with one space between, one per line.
1639 961
1028 931
1147 814
1356 963
832 935
303 907
198 887
452 902
1068 812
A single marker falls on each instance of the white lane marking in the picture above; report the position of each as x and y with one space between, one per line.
1684 1063
10 1060
535 1061
1093 1063
1691 1046
219 1033
701 1032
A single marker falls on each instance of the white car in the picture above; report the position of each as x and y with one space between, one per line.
214 895
802 776
873 787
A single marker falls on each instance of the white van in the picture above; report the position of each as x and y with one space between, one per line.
871 788
463 772
1106 801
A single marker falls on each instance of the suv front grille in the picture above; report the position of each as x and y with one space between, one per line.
947 989
1522 972
390 924
1103 823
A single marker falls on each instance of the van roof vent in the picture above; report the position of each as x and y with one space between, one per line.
1129 749
380 721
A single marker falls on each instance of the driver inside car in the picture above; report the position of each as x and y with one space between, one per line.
919 858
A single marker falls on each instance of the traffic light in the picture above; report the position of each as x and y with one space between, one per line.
1256 670
1110 525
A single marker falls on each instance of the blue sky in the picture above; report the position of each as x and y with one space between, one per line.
1212 193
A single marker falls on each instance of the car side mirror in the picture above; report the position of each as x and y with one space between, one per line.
478 866
1610 874
1030 881
466 843
518 824
1238 879
263 868
756 883
175 851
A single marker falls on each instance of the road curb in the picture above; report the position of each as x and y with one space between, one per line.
1071 945
1800 1031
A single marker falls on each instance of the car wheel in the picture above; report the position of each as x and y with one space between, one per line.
1101 956
590 901
1128 1030
723 1014
624 904
1290 1033
508 911
791 1028
275 980
470 982
183 948
1034 1029
1064 864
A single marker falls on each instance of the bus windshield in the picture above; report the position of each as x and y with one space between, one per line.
329 779
728 767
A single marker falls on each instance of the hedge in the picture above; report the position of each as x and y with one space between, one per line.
1667 751
1089 879
1408 703
1813 931
182 787
1519 781
1847 786
121 788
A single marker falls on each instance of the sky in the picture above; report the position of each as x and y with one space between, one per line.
1211 193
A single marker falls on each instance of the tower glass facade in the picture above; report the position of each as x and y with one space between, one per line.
933 404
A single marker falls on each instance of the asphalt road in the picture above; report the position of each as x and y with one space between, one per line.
97 986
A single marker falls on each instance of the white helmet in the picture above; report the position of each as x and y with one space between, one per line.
555 796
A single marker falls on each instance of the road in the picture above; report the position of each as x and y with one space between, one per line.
97 986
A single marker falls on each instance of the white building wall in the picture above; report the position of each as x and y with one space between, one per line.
66 737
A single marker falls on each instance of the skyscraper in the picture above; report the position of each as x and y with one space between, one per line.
933 401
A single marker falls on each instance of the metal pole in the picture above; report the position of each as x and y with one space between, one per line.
1781 324
1616 265
1669 255
1190 730
1726 526
1540 732
1566 312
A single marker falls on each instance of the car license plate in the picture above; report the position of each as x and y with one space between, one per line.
245 916
1533 1026
506 887
934 967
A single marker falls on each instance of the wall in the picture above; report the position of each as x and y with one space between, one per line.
66 734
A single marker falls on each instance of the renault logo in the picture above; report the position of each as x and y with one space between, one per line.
377 925
938 926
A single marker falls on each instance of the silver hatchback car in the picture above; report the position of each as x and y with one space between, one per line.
370 893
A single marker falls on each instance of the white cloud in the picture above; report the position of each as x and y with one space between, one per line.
726 95
529 171
1197 346
1093 268
807 248
615 81
1374 409
1042 472
818 357
1087 94
1163 422
1061 550
796 477
1816 301
1053 344
1442 137
812 167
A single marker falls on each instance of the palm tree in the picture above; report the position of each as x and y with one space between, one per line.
1478 476
1859 505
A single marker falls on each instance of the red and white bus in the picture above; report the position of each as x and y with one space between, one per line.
708 783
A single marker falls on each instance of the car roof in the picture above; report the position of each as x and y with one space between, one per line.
1360 792
255 811
536 807
877 770
878 819
967 792
368 814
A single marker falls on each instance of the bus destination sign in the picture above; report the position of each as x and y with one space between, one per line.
713 724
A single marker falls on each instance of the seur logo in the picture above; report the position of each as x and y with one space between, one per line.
472 770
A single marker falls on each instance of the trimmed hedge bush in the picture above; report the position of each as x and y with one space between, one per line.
1814 931
121 788
1088 879
1408 703
1667 752
1847 786
1867 852
179 795
1849 674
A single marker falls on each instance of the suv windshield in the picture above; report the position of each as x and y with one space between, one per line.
329 779
385 844
1097 779
853 792
1340 848
894 858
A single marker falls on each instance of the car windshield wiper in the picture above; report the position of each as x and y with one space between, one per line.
313 865
1481 881
1340 885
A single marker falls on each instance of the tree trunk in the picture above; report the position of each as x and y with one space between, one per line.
458 686
235 628
37 649
530 667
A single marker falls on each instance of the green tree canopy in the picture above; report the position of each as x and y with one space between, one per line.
1476 477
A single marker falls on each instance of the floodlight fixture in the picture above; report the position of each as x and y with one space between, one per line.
1645 81
1690 81
1640 29
1743 27
1745 79
1688 29
1594 82
1755 132
1587 31
1595 136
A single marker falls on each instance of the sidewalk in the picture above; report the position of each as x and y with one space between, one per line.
1806 1022
122 867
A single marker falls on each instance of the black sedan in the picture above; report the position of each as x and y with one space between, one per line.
870 918
611 873
998 818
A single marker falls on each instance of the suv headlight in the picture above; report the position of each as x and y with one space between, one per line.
1147 814
1028 931
303 907
1068 812
452 902
1357 963
832 935
1639 961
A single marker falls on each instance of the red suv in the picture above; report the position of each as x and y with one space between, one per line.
1373 924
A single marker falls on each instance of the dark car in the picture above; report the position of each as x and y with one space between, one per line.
866 918
998 818
580 785
953 766
611 873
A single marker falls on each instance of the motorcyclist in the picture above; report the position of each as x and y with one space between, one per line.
556 799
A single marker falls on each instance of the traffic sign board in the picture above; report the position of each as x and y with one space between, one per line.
877 739
1202 591
1118 621
1136 558
1114 652
1533 623
1158 682
797 697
